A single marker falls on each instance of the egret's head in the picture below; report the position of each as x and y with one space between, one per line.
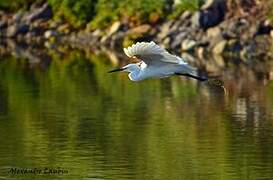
127 68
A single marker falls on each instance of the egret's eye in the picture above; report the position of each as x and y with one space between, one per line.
136 57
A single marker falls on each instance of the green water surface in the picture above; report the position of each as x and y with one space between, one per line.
68 113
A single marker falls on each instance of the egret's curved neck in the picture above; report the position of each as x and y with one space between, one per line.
134 76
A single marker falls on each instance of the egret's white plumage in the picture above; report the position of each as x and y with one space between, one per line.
155 62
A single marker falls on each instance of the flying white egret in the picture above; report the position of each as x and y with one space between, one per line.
155 62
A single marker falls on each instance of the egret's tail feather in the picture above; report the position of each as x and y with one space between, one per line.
187 69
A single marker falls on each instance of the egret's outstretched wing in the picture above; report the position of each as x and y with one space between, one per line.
150 52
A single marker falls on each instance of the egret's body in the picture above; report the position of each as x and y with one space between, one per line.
159 70
155 62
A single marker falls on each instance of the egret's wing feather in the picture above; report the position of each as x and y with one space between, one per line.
142 48
150 52
151 58
172 58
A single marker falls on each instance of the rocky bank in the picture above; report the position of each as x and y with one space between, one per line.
219 27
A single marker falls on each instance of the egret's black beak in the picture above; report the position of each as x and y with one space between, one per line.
116 70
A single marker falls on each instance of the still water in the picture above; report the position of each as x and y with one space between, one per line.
67 113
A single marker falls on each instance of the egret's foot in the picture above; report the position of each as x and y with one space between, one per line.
216 84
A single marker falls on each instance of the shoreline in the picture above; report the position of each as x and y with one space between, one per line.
212 64
211 30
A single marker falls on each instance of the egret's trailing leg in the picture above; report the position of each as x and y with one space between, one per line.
192 76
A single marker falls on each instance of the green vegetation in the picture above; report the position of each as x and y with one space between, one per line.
106 12
135 11
76 12
190 5
270 14
14 5
101 13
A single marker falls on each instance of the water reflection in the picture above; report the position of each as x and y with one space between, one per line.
68 112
